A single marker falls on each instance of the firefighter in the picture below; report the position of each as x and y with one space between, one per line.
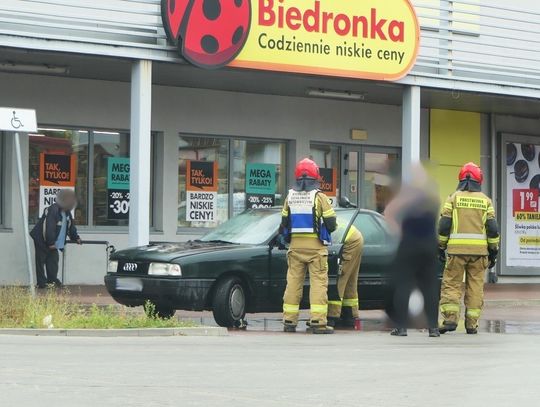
308 219
469 234
343 299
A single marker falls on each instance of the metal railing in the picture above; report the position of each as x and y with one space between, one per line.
108 250
490 42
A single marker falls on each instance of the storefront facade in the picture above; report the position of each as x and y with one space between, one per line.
142 128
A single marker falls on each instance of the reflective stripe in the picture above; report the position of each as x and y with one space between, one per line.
468 236
284 212
494 240
319 309
467 242
473 312
314 235
291 309
350 302
443 239
448 206
329 213
334 303
455 221
449 307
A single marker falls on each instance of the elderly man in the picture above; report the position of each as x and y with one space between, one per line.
50 235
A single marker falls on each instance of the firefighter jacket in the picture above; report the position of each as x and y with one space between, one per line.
308 218
467 225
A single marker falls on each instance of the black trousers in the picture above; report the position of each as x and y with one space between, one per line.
46 265
415 266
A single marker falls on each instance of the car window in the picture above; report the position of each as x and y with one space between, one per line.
343 220
371 230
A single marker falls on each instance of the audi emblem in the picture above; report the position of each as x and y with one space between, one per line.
130 267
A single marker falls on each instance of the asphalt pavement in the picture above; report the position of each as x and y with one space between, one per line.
272 369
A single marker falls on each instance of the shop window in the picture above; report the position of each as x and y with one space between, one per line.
219 177
95 163
2 180
328 158
255 152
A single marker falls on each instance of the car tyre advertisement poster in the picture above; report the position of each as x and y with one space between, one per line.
201 191
522 195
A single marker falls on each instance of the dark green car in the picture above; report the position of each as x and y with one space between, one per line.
239 267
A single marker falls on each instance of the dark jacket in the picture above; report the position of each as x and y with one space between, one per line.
46 231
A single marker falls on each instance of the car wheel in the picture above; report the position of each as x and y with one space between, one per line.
159 310
229 303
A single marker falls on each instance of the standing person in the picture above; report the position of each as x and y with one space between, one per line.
412 215
343 301
469 233
308 219
50 235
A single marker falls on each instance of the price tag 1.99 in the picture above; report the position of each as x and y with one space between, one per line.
525 200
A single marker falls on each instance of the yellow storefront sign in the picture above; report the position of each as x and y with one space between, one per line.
360 39
369 39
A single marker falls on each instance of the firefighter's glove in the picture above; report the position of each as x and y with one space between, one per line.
492 258
442 256
281 242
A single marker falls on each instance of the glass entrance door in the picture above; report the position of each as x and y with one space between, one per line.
367 175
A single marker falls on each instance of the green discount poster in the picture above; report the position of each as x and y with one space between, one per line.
260 185
118 188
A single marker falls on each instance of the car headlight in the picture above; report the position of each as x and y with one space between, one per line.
164 269
112 267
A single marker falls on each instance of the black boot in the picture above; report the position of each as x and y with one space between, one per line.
399 332
289 327
320 330
447 327
434 333
332 322
472 331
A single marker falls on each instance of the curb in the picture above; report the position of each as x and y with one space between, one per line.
513 302
111 333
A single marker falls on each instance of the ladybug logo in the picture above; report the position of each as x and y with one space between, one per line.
208 33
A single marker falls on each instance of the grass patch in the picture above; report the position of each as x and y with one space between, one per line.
54 309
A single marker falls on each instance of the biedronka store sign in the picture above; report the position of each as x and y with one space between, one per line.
369 39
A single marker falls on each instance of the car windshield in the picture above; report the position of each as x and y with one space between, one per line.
255 226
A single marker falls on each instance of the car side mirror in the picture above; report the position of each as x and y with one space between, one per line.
344 202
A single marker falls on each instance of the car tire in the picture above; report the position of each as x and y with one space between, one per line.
229 302
159 311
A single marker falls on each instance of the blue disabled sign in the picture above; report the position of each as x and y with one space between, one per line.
261 179
118 173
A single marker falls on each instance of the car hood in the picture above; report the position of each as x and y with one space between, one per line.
166 252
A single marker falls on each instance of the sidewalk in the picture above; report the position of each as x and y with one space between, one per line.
511 293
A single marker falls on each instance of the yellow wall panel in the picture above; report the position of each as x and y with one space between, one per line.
454 139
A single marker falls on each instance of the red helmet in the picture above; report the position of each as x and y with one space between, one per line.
306 169
472 171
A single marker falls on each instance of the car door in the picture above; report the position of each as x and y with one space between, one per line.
379 251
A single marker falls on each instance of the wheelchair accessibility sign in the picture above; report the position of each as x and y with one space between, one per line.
18 120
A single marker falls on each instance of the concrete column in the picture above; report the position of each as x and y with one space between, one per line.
410 129
140 143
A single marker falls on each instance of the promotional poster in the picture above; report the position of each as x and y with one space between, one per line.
201 191
260 185
523 186
118 188
56 172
